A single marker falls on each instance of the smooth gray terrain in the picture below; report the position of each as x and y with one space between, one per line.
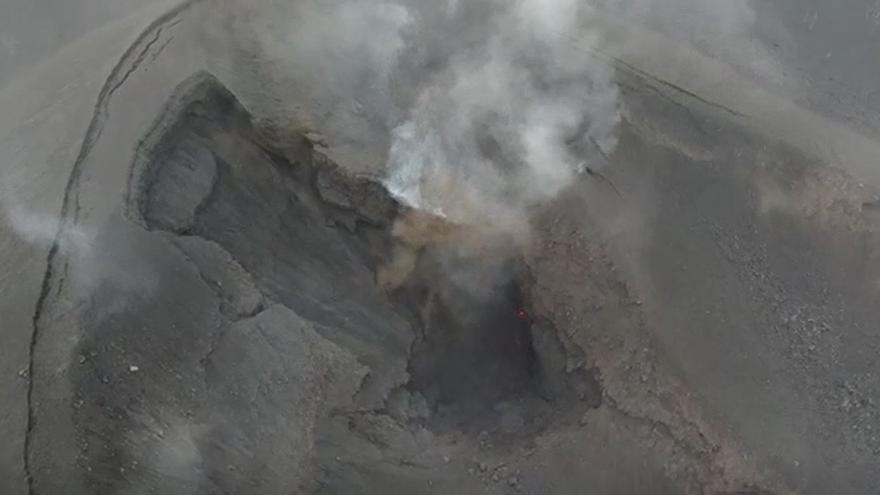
204 287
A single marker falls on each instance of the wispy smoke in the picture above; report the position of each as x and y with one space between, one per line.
114 265
722 30
495 129
488 106
40 228
350 47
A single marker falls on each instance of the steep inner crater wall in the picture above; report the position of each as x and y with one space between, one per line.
441 328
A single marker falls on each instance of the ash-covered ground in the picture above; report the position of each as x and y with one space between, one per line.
306 333
417 255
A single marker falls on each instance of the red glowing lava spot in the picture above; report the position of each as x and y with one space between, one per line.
522 314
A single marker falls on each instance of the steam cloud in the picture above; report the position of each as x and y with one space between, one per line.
494 130
41 228
115 266
491 106
720 29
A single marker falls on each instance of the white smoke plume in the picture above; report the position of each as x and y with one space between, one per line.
489 106
722 30
40 228
495 129
127 277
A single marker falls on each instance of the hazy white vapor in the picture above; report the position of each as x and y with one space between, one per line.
723 30
490 105
41 228
491 132
114 266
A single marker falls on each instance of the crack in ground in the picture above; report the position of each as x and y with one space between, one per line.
665 97
162 47
646 76
70 201
683 477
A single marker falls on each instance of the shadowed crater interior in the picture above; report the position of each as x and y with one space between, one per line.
269 222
